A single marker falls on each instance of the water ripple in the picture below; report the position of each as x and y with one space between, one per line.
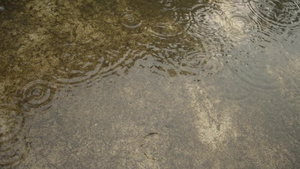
122 58
175 25
199 59
242 25
208 19
277 12
78 63
38 94
118 60
81 65
131 19
163 19
208 30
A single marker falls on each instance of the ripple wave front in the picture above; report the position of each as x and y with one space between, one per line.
208 19
78 63
182 58
163 19
277 12
38 94
131 19
242 24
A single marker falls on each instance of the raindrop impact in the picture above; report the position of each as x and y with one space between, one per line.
208 20
38 94
131 19
277 12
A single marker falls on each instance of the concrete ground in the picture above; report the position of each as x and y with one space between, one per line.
79 88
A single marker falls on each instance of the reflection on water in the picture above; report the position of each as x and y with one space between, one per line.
50 48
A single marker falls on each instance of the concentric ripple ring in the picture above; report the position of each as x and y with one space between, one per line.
131 20
37 93
277 12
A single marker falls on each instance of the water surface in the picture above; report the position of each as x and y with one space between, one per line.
150 84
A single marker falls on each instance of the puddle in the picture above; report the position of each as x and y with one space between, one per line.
149 84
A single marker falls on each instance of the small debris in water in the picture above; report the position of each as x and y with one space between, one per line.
1 8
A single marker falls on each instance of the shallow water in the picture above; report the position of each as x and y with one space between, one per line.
150 84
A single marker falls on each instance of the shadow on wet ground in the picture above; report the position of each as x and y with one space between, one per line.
149 84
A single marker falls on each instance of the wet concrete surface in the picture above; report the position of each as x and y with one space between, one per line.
149 84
